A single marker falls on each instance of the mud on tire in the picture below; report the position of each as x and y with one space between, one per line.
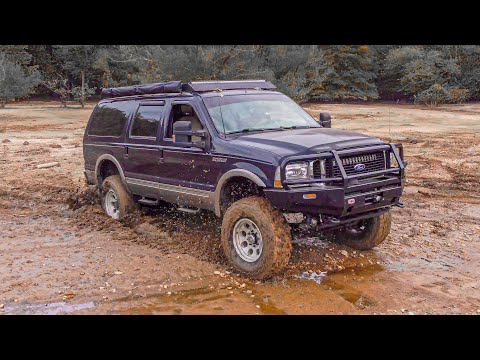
125 202
275 233
375 230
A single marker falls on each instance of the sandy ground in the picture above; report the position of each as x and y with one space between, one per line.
57 259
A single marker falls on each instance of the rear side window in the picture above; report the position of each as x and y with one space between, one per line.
146 121
109 119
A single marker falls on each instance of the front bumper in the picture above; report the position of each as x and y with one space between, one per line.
344 196
330 200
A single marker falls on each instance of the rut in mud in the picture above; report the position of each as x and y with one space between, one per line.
61 254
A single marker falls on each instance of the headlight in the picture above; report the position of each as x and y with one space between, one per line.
297 171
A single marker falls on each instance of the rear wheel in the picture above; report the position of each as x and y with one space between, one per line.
256 238
116 200
364 234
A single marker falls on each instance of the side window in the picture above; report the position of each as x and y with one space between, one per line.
182 112
146 121
109 119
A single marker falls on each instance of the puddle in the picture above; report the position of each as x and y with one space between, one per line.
312 276
203 300
46 309
347 285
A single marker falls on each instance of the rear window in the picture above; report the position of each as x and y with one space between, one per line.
109 119
146 121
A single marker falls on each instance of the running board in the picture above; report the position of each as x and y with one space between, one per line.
188 210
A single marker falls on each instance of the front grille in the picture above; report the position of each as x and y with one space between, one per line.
372 161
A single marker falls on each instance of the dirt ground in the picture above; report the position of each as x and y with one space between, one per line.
60 254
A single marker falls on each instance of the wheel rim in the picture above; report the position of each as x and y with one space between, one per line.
247 240
111 204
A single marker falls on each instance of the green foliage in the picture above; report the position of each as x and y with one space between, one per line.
438 94
294 69
430 74
15 82
77 94
65 91
346 74
420 70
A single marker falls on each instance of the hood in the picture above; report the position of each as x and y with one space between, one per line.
305 141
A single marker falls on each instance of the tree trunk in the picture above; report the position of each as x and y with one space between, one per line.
82 97
3 102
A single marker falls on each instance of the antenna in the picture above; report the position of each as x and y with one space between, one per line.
389 125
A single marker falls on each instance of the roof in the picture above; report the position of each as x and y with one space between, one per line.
172 87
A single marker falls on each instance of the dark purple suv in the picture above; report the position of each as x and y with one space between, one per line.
249 154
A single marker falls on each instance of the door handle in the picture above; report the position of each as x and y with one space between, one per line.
161 160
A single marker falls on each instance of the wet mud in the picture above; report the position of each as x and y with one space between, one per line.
59 253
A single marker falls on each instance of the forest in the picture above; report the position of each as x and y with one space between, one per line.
420 74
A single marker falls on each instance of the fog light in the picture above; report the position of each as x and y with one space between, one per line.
309 196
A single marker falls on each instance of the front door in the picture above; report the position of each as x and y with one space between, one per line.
143 154
186 170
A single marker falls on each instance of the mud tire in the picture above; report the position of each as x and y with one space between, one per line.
126 204
376 230
276 235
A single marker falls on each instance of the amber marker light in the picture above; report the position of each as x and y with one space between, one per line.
277 182
310 196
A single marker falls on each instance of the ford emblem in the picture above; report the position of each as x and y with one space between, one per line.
359 167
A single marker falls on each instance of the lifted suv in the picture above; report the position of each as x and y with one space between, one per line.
249 154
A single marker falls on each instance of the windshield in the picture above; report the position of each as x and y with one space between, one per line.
243 113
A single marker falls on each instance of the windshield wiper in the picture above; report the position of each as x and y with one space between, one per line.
298 127
251 130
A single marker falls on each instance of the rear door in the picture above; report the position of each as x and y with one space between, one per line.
143 154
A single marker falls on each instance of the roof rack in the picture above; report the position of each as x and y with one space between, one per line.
178 87
203 86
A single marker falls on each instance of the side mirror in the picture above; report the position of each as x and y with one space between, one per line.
325 120
182 134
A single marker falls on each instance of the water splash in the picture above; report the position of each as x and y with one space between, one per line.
313 276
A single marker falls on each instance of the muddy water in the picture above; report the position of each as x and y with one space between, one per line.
56 258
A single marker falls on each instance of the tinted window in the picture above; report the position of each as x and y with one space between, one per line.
146 121
109 119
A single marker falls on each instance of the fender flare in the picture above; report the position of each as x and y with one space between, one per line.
117 164
228 175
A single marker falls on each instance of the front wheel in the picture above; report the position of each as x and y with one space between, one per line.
256 238
364 234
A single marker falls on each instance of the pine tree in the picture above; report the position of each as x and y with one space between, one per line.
346 74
